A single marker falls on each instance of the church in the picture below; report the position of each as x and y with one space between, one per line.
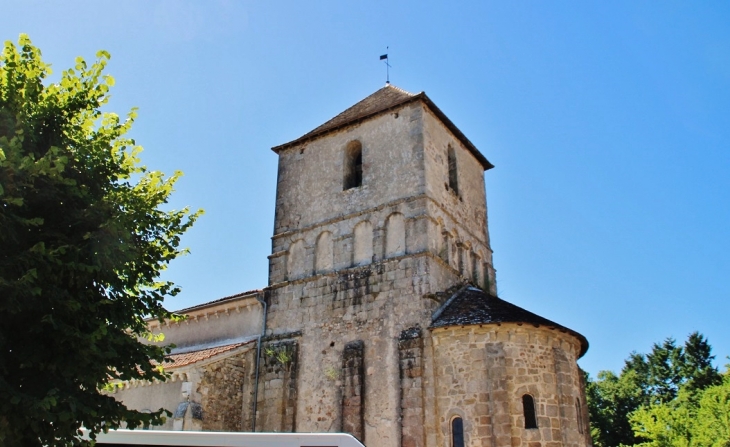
380 317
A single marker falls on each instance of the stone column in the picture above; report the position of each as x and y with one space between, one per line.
499 396
410 352
277 396
353 395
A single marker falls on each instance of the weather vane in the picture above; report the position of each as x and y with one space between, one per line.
384 57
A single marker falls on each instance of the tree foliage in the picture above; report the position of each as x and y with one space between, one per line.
83 239
693 419
670 380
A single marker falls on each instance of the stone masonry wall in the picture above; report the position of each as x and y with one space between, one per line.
222 390
310 180
372 303
469 205
482 373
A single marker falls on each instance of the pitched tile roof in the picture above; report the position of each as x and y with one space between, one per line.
188 358
471 306
218 301
381 101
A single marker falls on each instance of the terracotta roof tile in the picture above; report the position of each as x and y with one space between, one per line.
471 306
188 358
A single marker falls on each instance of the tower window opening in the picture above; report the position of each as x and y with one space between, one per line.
528 407
457 432
353 165
453 177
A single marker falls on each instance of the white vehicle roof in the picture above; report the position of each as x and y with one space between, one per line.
224 439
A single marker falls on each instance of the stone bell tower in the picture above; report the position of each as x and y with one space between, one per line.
390 177
380 247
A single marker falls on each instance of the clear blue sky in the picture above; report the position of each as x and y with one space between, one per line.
608 123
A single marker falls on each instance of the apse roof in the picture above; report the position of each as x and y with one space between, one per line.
471 305
381 101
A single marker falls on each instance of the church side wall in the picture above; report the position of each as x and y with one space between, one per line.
482 374
149 397
231 321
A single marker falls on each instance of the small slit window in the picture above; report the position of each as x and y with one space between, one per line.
528 407
453 177
457 432
579 415
353 165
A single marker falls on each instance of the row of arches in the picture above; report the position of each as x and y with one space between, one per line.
463 258
362 252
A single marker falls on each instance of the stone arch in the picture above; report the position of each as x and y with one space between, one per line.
363 243
445 248
435 237
465 259
395 235
475 261
296 260
457 432
454 254
323 254
479 266
579 415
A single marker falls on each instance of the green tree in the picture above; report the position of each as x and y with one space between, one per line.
648 380
697 364
696 418
83 239
611 398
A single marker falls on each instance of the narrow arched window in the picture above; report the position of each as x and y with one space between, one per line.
457 432
579 415
453 177
528 407
353 165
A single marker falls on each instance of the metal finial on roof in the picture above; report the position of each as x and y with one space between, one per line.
387 66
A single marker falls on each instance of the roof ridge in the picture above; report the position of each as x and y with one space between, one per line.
402 90
219 300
